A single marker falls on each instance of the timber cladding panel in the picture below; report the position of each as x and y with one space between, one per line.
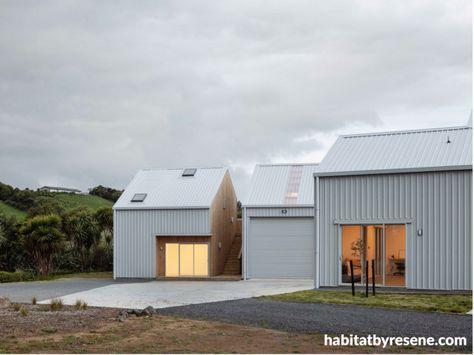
223 224
161 249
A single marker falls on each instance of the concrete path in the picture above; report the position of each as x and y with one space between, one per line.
330 318
43 290
161 294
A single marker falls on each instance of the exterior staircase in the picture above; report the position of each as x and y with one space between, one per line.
232 264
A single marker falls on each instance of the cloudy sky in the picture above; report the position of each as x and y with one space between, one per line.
92 91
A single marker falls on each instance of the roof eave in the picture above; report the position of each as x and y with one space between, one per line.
278 206
393 171
131 208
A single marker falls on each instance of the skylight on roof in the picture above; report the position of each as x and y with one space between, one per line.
293 184
189 172
138 198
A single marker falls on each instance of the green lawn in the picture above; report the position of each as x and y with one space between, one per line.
85 275
454 303
10 211
70 201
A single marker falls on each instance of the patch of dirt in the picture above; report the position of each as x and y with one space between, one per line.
96 330
4 302
39 319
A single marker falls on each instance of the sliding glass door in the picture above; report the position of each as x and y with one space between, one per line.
382 245
395 254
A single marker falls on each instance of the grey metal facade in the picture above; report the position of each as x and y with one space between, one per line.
135 232
281 247
248 213
439 203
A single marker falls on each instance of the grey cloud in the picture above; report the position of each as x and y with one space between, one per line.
92 91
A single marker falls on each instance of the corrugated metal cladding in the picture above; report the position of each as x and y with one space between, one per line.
427 148
280 212
281 248
438 202
135 232
273 213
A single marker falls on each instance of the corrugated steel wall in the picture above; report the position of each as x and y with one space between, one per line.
249 212
135 232
277 212
439 203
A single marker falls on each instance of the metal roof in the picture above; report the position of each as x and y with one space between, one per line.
59 188
387 152
281 185
168 189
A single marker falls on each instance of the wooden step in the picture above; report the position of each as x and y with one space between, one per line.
232 264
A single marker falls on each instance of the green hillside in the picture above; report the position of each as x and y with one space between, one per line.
10 211
70 201
66 201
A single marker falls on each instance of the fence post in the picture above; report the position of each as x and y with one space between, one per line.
367 278
352 277
373 277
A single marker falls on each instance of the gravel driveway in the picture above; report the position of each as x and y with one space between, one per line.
330 319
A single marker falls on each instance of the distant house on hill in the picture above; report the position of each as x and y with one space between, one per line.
59 189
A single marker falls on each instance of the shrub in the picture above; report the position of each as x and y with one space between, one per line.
80 305
24 311
16 276
34 300
83 232
44 205
42 238
16 307
49 330
12 254
56 304
106 192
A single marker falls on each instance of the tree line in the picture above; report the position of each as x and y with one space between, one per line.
52 239
73 241
27 199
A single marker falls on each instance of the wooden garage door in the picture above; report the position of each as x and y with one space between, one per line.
281 248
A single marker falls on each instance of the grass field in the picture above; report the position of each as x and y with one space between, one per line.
455 303
10 211
85 275
70 201
67 201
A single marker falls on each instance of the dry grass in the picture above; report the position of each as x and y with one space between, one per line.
161 334
24 311
455 303
56 304
80 305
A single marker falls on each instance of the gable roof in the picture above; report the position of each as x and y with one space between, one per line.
281 185
168 189
402 151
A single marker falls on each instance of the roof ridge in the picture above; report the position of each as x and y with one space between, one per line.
412 131
288 164
189 167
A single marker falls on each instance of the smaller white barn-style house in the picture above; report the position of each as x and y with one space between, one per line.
174 223
278 222
402 200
